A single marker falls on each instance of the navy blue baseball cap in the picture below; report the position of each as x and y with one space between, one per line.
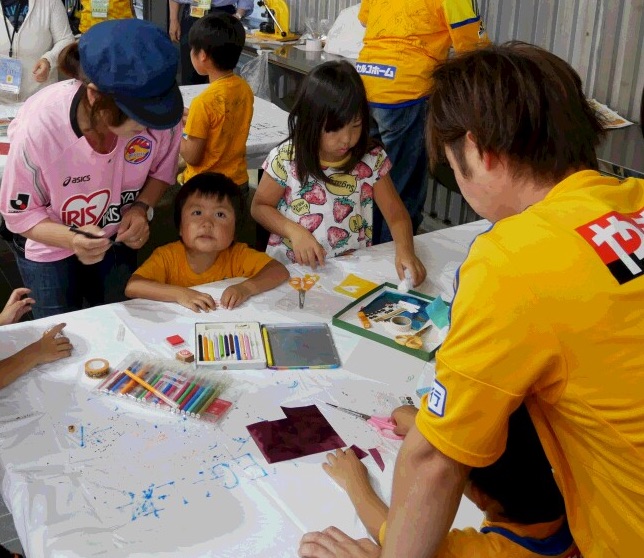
135 62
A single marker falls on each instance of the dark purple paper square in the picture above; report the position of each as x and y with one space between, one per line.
304 431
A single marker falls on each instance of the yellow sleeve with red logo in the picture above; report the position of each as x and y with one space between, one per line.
465 25
498 345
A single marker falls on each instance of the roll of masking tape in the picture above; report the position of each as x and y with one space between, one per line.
399 324
97 368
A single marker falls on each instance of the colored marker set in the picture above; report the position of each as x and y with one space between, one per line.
229 345
168 385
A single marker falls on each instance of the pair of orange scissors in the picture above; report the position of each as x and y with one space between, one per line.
303 284
384 425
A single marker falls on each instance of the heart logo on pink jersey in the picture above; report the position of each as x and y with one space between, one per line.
80 210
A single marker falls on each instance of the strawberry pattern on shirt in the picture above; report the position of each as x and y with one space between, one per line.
338 213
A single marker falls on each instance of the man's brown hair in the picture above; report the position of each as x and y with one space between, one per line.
518 100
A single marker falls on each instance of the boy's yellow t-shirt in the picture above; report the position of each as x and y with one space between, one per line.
404 41
116 9
221 115
169 265
550 309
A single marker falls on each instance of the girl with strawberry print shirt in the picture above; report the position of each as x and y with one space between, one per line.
317 194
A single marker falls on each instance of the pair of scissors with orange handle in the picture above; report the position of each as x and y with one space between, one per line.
384 425
303 284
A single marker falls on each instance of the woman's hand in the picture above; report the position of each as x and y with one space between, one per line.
306 249
90 250
134 230
41 70
404 417
408 260
195 300
16 306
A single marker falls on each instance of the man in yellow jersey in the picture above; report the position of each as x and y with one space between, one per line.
548 311
95 11
403 42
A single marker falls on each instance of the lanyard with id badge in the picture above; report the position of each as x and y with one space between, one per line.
99 8
10 69
199 8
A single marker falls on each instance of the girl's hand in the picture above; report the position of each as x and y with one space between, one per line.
134 230
41 70
346 469
16 306
404 417
90 250
306 249
194 300
235 295
50 348
408 260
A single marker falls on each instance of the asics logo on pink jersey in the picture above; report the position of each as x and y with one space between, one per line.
80 210
138 149
76 179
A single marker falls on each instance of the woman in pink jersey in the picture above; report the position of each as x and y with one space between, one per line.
91 157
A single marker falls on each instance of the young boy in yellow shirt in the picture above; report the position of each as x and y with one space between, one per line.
216 130
524 510
205 212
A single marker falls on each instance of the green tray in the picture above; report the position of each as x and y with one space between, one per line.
347 319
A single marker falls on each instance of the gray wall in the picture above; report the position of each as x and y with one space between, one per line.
602 39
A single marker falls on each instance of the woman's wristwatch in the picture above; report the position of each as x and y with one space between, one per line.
149 211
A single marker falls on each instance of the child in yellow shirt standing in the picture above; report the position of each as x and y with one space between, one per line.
216 130
205 212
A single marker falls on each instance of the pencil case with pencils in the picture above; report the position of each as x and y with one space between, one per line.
171 386
229 345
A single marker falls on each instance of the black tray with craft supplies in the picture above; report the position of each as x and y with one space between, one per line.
171 386
393 318
303 345
229 345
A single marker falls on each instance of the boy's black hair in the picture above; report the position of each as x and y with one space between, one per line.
209 185
331 96
521 480
221 36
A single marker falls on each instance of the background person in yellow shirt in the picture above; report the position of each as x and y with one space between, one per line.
95 11
396 62
205 211
548 310
216 130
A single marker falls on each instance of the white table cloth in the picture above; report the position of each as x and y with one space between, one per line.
89 475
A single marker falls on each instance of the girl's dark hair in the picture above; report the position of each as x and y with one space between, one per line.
330 97
521 480
209 185
518 100
104 110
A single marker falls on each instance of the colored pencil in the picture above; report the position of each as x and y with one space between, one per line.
152 389
185 398
121 381
237 352
131 383
197 403
187 402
